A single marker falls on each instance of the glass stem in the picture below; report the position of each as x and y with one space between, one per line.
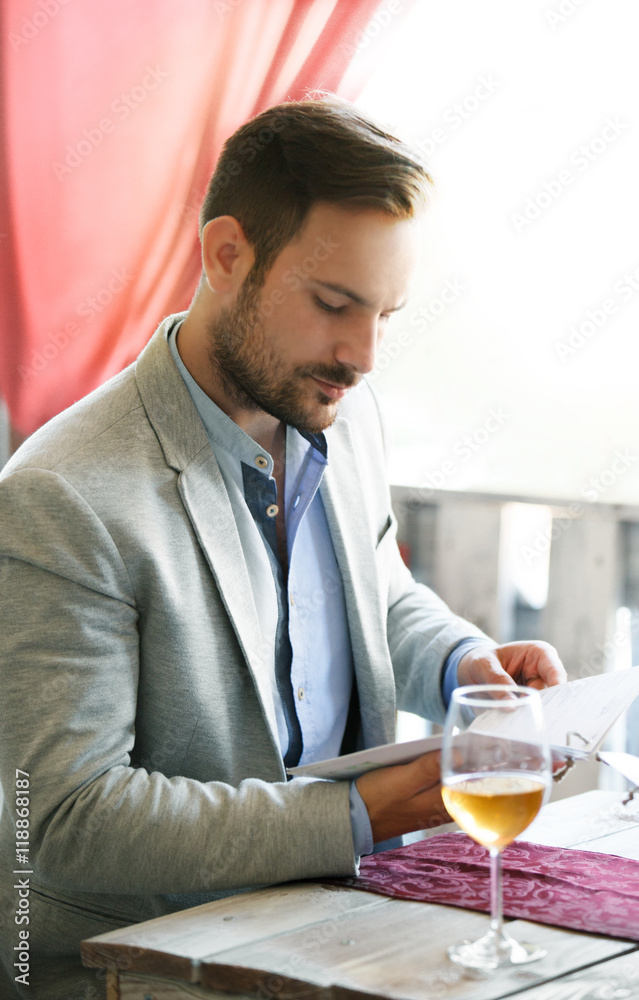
495 893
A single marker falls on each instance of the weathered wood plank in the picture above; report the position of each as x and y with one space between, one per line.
618 978
307 940
625 843
173 945
139 987
398 952
576 821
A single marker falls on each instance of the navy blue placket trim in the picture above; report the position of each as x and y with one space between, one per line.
260 492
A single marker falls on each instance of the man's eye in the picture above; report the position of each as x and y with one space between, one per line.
326 307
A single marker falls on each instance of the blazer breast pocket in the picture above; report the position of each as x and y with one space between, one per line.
383 556
384 532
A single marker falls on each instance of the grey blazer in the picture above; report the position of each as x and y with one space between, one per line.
134 676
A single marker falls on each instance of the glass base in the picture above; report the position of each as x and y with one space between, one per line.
492 951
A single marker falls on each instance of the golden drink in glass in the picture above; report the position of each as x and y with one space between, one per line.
495 777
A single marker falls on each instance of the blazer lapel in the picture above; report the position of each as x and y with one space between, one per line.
206 502
354 536
182 436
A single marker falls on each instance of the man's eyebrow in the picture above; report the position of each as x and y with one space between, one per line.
350 294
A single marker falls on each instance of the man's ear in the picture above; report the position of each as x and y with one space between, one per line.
227 256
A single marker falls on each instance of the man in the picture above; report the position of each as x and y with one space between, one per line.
200 579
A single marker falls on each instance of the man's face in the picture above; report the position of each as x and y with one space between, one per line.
293 347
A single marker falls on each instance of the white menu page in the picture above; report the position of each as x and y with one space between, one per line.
577 715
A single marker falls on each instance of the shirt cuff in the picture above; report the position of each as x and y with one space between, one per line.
360 824
451 663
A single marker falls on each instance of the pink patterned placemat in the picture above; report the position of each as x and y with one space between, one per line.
580 890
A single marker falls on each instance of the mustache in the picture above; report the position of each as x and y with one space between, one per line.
339 375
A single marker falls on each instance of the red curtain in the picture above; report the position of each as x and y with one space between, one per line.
113 117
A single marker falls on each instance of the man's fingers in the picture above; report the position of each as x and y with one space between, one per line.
494 672
404 780
482 666
535 664
531 664
552 669
537 684
403 798
425 772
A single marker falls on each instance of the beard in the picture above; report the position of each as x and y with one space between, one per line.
254 377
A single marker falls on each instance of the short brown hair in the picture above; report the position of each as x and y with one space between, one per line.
274 168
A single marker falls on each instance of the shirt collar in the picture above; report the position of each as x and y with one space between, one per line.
220 429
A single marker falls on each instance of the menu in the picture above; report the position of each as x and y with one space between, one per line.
577 716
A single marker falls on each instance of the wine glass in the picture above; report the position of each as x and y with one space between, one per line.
496 774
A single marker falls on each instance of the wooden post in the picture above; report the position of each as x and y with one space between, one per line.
467 560
579 618
583 592
416 526
112 986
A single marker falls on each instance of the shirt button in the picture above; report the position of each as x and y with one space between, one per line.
261 462
300 693
272 510
292 599
297 500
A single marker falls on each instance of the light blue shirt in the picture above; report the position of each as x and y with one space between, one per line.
321 664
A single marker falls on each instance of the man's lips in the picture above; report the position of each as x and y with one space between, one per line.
330 390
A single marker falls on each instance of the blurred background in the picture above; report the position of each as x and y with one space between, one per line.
509 379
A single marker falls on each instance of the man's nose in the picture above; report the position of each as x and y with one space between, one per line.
357 347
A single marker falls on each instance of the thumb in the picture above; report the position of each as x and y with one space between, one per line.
482 666
495 673
403 797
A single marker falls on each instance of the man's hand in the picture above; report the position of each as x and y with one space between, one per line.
404 798
530 664
408 797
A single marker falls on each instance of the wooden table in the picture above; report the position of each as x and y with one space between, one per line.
308 940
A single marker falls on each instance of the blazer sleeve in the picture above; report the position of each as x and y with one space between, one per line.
421 629
69 668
